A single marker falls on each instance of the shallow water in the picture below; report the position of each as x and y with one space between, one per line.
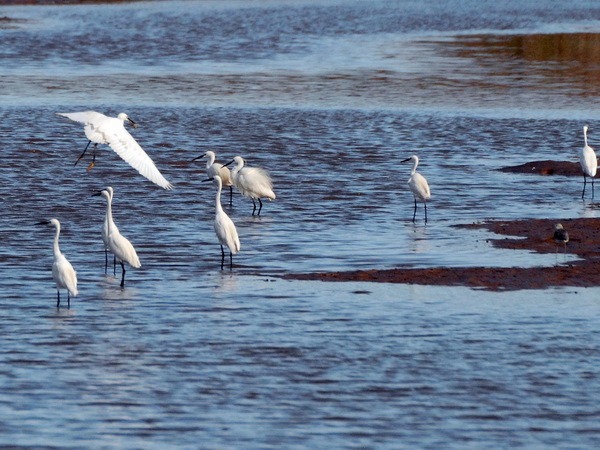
330 97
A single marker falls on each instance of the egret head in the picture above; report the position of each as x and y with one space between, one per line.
413 158
124 117
54 222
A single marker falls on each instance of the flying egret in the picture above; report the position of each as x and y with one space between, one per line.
101 129
117 243
107 219
63 273
224 227
588 161
214 168
418 185
252 182
561 236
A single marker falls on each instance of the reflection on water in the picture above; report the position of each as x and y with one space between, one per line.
329 96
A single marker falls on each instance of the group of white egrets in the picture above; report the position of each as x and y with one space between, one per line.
252 182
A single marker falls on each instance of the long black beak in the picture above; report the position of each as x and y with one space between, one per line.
97 194
208 179
198 157
405 160
230 162
133 124
43 222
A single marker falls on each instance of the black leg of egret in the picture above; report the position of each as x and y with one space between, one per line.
105 261
85 150
114 265
222 257
254 209
230 195
230 260
425 203
260 203
68 300
123 274
415 211
57 298
584 181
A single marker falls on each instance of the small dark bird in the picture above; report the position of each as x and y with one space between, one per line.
561 236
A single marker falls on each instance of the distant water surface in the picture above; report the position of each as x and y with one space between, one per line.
329 97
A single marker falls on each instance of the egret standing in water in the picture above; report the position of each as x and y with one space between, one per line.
252 182
63 273
108 218
117 243
101 129
418 186
224 227
214 168
588 161
561 236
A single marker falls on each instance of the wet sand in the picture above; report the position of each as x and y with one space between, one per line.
534 234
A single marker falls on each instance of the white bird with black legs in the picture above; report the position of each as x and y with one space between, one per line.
224 227
117 243
214 168
588 161
105 226
252 182
418 186
101 129
63 273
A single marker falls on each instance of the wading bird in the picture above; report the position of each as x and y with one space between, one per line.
224 227
101 129
418 186
252 182
63 273
214 168
117 243
588 161
561 236
108 218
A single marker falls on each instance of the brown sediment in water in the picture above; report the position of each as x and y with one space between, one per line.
534 235
547 167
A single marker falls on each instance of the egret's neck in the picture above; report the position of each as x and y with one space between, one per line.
414 167
109 218
585 137
56 234
211 161
218 199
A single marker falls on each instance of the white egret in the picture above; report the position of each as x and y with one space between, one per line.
252 182
105 226
214 168
224 227
63 273
418 185
101 129
117 243
561 236
588 161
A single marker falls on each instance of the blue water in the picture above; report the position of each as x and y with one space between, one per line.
329 97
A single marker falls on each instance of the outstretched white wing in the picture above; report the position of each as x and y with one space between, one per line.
111 131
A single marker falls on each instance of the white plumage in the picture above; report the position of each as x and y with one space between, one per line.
252 182
224 227
63 273
105 225
117 243
418 185
214 168
101 129
588 161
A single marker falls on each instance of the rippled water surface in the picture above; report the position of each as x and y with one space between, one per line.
329 96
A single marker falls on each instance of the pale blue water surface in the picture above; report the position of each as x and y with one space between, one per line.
330 96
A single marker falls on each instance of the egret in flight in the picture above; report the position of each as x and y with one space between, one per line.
418 186
63 273
101 129
117 243
588 161
214 168
252 182
224 227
